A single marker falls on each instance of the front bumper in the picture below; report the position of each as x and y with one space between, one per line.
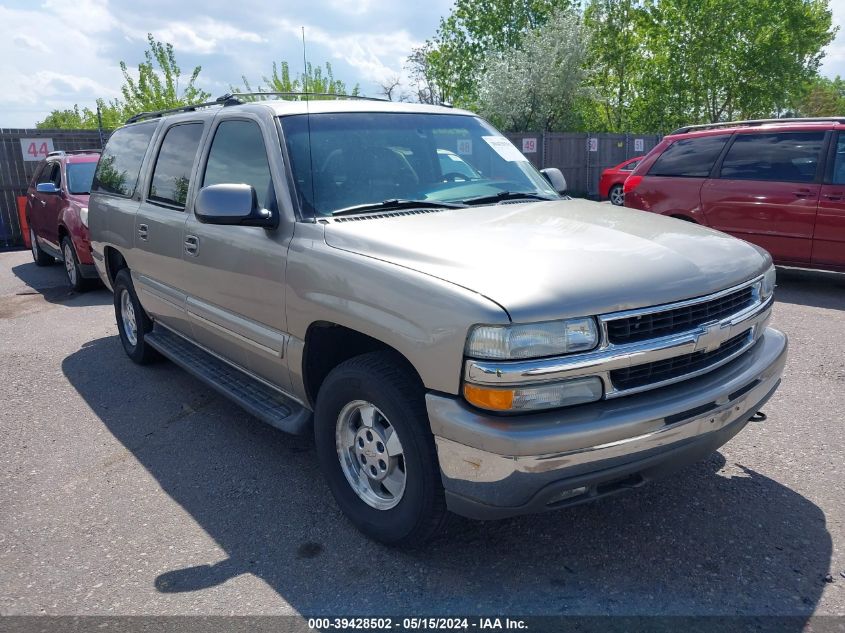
494 467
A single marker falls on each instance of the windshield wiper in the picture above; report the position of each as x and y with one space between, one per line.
506 195
395 204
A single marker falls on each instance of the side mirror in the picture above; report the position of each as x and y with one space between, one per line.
47 187
555 178
232 204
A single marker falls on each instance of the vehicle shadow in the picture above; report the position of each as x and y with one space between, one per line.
715 539
49 283
815 288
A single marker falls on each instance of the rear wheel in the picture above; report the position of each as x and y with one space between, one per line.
133 324
616 195
377 452
40 257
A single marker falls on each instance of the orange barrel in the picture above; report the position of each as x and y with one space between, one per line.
22 219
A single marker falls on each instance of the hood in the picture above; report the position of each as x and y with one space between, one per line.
548 260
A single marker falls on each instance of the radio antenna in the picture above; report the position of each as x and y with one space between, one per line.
308 123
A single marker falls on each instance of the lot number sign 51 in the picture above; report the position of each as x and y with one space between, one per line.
36 148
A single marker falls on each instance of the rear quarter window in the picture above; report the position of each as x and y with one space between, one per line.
779 157
689 157
119 166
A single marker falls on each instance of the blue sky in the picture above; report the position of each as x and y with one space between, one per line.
54 53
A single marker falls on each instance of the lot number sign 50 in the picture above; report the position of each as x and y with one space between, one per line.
36 148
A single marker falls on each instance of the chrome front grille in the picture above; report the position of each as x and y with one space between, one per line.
703 334
668 369
656 324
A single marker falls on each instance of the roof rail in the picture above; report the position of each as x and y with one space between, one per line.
66 152
232 98
159 113
754 122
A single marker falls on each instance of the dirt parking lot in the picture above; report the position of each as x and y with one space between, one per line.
136 490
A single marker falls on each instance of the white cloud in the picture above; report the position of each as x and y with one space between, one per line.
205 36
834 60
377 56
60 52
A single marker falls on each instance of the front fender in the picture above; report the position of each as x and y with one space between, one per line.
424 318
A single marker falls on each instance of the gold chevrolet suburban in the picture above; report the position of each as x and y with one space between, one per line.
400 281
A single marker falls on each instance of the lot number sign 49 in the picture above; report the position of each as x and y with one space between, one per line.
36 148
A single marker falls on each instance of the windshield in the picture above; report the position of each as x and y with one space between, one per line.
348 159
80 176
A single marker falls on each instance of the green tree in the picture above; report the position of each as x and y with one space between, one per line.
535 86
822 97
715 60
156 87
474 33
313 80
615 65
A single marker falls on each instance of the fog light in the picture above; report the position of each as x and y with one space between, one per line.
535 397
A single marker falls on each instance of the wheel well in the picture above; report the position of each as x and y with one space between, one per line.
327 345
63 232
114 262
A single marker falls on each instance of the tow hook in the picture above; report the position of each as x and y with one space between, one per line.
758 417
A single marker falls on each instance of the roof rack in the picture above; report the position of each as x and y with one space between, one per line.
754 122
232 98
159 113
66 152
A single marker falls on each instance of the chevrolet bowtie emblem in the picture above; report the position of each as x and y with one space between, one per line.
711 338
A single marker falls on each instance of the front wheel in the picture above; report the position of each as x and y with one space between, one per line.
377 452
617 196
133 324
74 275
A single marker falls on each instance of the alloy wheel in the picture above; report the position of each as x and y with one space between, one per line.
371 455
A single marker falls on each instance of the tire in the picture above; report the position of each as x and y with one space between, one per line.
39 257
380 380
126 304
616 195
75 279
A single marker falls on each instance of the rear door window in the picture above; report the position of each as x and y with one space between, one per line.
175 162
781 157
119 166
689 157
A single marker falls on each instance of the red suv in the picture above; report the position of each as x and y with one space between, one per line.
777 183
57 212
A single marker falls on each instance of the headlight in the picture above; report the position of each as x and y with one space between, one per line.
83 215
535 340
767 286
535 397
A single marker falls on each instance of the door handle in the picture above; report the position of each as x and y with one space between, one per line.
803 193
836 195
192 245
143 231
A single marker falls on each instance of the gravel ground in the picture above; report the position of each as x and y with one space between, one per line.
137 490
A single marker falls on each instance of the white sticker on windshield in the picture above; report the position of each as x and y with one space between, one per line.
504 148
457 159
465 146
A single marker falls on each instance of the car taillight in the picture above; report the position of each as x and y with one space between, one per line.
631 183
